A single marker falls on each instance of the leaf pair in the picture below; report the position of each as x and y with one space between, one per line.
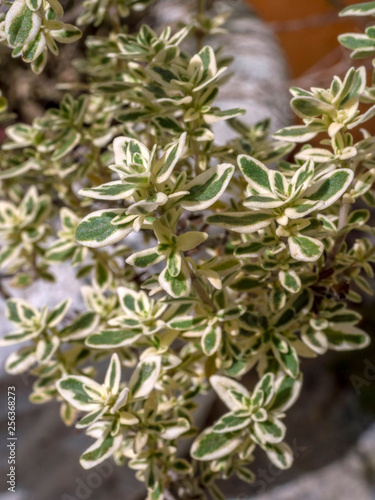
275 198
258 412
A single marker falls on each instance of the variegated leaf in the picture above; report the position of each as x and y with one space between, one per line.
75 390
241 222
112 339
113 375
232 393
100 451
114 190
207 187
211 445
144 377
22 24
231 422
304 248
96 229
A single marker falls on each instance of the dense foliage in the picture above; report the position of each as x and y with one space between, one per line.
198 262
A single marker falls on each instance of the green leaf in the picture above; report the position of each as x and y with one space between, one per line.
56 7
114 190
68 140
182 466
100 451
17 170
330 187
174 262
174 429
91 418
286 355
265 387
163 168
74 390
18 337
270 431
186 322
266 201
231 422
255 173
359 217
21 24
287 391
103 276
128 299
232 393
129 151
113 375
211 340
34 48
26 310
111 339
13 313
207 187
309 107
318 155
290 281
176 286
60 251
57 313
82 326
20 361
280 455
370 113
356 41
190 239
96 230
68 34
145 258
304 248
211 445
9 253
303 207
344 337
241 222
216 115
245 474
360 9
34 4
46 348
244 284
297 133
145 377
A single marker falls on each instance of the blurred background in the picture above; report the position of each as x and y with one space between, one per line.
277 44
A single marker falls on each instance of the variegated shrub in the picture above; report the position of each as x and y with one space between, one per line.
199 262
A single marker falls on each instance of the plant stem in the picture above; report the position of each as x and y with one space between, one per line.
201 7
343 219
115 19
6 295
201 292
